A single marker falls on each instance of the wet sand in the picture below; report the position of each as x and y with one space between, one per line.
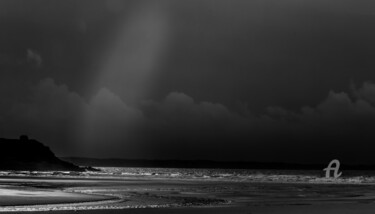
11 197
179 196
306 209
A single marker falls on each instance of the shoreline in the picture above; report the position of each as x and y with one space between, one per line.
87 199
177 195
306 209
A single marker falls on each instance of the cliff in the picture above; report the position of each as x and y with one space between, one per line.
30 155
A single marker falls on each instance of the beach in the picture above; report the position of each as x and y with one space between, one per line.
170 193
322 209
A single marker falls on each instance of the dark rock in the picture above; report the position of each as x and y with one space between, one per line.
30 155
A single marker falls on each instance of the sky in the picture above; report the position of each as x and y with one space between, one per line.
261 80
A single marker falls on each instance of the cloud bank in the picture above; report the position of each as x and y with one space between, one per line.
33 57
178 127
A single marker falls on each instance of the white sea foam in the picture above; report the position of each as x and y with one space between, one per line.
310 176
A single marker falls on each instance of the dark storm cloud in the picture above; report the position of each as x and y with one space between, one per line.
208 79
51 113
180 127
34 57
269 52
55 114
340 126
223 51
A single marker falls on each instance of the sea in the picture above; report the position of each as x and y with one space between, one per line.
236 175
